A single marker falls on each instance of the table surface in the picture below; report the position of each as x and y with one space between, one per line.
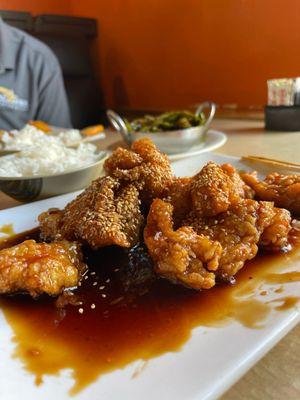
276 376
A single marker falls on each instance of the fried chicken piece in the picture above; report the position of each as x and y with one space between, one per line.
236 230
241 188
276 235
145 166
209 192
106 213
179 195
215 188
181 256
283 190
122 159
39 268
240 230
50 224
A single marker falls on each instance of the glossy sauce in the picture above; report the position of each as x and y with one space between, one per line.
7 230
110 328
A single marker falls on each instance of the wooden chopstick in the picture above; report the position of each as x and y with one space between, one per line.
273 163
8 152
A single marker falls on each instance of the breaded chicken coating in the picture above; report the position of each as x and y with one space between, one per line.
240 230
215 204
106 213
39 268
181 256
276 235
122 159
209 192
145 166
199 229
241 188
179 195
215 188
50 224
283 190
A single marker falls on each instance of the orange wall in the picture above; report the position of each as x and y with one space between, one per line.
173 53
37 6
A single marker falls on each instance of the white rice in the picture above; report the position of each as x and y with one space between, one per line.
44 154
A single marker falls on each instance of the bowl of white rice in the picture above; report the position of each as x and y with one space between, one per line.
45 165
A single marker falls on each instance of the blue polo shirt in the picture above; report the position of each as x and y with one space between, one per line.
31 83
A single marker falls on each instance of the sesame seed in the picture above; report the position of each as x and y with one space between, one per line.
93 306
95 283
80 310
103 295
101 287
117 300
107 280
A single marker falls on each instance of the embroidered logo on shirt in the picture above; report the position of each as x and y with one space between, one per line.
9 100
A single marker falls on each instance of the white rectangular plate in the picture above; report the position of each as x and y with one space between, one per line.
204 368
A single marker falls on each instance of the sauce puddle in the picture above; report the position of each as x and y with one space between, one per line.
7 230
113 327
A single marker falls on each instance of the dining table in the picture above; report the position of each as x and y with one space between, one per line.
276 375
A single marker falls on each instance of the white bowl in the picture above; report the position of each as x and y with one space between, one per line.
170 142
29 188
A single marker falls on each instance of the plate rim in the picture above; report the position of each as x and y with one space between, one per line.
235 373
220 139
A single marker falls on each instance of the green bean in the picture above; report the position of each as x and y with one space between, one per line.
168 121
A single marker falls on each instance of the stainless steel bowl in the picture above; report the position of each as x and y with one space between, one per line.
29 188
170 142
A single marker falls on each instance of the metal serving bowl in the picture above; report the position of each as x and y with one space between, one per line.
169 142
29 188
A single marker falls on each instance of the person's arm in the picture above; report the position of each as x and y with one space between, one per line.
53 105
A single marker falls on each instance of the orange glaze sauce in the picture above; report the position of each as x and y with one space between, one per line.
7 230
111 329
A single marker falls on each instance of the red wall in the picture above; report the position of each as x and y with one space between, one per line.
173 53
37 6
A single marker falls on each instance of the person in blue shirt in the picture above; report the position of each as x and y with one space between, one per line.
31 82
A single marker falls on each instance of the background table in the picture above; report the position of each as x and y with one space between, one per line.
277 375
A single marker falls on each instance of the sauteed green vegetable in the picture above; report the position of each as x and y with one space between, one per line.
169 121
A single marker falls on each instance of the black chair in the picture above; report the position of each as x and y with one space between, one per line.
70 38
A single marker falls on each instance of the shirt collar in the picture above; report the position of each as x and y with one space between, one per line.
7 47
